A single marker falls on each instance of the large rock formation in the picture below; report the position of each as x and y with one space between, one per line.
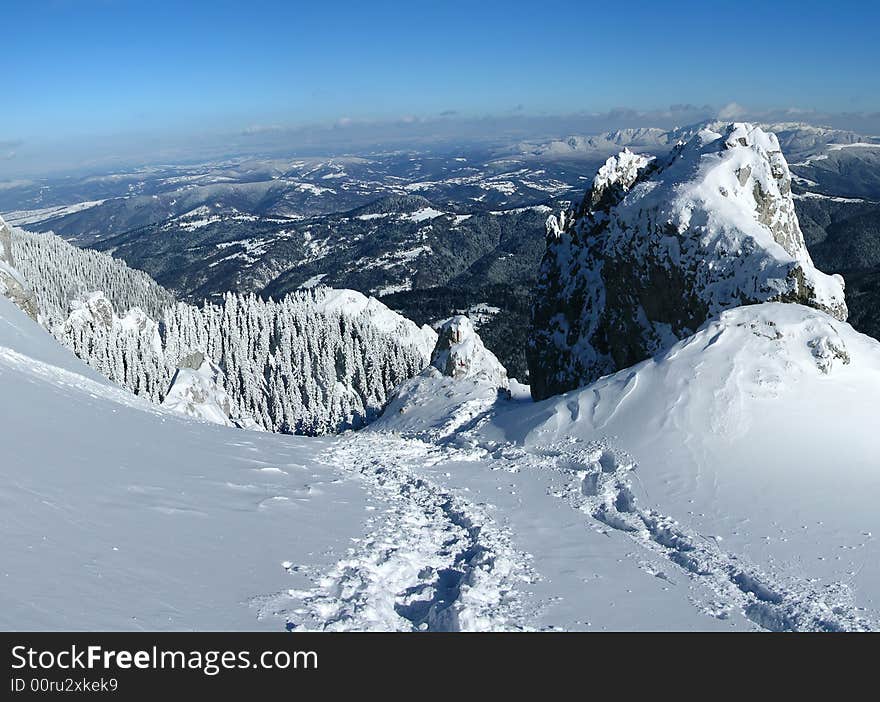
12 284
93 314
460 354
658 246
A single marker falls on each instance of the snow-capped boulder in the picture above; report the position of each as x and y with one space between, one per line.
92 309
93 313
659 246
460 354
12 283
463 383
197 391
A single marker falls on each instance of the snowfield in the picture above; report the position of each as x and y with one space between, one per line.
738 470
728 483
117 514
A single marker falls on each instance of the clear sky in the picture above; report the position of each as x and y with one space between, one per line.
109 67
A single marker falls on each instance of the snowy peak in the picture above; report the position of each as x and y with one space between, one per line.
615 178
460 354
769 184
659 246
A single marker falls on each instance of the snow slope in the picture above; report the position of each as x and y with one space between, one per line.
117 514
729 483
739 470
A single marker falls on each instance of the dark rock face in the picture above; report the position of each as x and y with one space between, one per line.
659 246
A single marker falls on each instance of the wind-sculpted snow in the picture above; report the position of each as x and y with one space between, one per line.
659 246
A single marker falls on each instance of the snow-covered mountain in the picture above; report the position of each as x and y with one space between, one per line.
356 305
729 483
659 245
318 361
798 140
648 138
724 478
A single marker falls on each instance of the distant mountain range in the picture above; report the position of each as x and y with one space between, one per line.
432 234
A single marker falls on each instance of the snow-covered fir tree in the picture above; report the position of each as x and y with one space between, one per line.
59 272
315 362
290 365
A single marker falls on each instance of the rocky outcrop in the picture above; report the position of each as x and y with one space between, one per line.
460 354
93 313
463 383
197 391
12 283
658 246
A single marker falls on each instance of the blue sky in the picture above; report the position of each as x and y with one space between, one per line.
80 68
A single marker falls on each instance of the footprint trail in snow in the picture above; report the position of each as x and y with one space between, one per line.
598 484
431 560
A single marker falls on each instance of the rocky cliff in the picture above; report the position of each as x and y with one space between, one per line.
12 284
658 246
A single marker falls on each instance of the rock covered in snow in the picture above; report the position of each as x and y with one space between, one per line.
93 312
92 309
460 354
197 391
616 177
12 283
659 246
464 382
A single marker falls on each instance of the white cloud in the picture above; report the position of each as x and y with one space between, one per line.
731 110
